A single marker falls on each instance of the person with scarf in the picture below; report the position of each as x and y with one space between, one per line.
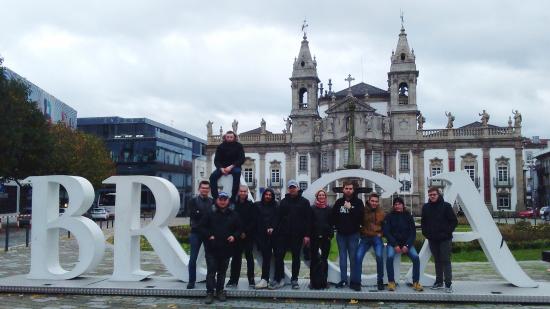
322 231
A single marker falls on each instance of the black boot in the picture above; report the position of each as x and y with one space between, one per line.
222 296
209 298
380 285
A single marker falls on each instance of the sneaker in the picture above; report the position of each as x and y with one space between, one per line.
380 286
391 286
274 285
190 285
355 286
209 298
341 284
437 286
295 285
261 285
449 289
418 287
222 296
231 284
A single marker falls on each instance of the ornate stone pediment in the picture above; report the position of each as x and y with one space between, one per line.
343 107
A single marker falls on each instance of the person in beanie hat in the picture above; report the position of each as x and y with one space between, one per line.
400 232
220 230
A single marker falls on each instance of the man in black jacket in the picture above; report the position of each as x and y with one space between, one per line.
198 207
247 214
265 233
294 225
228 160
219 229
438 223
347 216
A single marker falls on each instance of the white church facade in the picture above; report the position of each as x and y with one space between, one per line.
389 138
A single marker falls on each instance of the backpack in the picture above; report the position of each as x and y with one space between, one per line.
318 275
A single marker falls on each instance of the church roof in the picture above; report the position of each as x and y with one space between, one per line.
258 130
359 90
477 124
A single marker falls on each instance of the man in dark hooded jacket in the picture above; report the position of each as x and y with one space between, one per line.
293 231
247 212
219 229
438 224
228 160
265 233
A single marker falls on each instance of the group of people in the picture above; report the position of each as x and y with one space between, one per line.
307 230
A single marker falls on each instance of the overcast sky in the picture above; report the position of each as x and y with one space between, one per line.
183 63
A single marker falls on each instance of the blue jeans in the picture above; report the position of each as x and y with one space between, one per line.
347 246
195 241
235 172
364 245
413 255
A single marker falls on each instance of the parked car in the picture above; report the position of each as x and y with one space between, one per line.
528 213
99 213
545 213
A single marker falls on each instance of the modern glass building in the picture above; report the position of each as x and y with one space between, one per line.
140 146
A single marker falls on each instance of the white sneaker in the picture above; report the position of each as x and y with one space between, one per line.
261 285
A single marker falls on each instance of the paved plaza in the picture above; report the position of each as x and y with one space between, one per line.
16 262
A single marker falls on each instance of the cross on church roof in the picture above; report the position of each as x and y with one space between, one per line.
402 19
349 79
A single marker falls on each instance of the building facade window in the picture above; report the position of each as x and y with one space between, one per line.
345 153
377 160
471 171
405 185
248 175
302 163
324 161
404 162
435 170
275 176
502 173
503 201
303 185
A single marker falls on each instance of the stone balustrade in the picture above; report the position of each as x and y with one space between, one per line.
468 133
246 139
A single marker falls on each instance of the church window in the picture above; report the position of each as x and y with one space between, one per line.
503 173
403 56
376 160
302 64
403 94
404 162
471 171
302 163
324 161
436 170
405 185
303 185
345 156
303 98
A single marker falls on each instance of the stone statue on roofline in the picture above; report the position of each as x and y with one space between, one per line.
235 125
450 120
262 126
421 120
484 118
517 119
288 123
209 128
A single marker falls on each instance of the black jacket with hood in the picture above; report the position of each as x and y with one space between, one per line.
294 216
267 215
229 154
248 213
221 224
438 220
399 228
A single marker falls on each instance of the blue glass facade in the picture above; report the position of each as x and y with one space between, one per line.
140 146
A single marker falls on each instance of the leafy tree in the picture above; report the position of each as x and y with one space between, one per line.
81 154
25 143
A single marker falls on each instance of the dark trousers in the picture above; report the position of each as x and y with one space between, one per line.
319 244
284 244
243 245
441 251
216 267
268 248
235 172
195 242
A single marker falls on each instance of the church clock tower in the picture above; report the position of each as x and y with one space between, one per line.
402 84
304 85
